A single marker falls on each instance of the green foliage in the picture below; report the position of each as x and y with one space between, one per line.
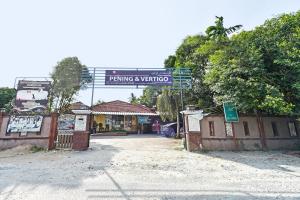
219 31
149 96
35 149
100 101
69 76
170 61
133 99
167 105
259 69
7 95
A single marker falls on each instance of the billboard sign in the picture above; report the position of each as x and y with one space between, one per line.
24 124
32 95
230 112
132 77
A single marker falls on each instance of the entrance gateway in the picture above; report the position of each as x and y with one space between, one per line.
137 78
70 131
122 116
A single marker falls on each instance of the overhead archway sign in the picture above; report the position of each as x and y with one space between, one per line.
134 77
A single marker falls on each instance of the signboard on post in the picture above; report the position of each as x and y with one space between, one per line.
230 112
32 96
146 77
143 119
80 122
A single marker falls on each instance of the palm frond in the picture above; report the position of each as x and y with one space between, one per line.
233 29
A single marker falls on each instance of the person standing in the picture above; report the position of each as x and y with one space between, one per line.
157 127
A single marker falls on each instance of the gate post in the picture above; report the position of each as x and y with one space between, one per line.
1 118
53 131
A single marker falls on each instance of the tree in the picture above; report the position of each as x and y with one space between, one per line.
149 97
218 31
7 95
69 76
168 106
133 99
259 69
100 101
193 53
170 61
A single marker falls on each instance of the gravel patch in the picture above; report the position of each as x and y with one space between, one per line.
147 167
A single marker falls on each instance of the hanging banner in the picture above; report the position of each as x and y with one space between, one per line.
131 77
32 95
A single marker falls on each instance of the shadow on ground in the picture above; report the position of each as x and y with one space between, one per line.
53 168
270 160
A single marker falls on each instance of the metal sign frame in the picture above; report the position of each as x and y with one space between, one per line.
182 79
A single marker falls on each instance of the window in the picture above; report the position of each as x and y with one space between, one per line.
274 128
211 128
228 129
292 129
246 129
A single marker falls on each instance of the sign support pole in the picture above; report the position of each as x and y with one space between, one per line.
93 88
181 96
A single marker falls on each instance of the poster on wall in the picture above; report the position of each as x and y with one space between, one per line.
80 122
194 122
66 122
24 124
228 129
32 96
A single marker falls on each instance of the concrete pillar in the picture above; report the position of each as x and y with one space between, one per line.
53 130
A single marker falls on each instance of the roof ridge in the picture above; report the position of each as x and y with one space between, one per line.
121 106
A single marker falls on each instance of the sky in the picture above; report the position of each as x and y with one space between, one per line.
35 35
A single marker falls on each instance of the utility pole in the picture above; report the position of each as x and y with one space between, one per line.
93 87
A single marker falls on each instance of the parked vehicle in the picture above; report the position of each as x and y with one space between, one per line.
170 129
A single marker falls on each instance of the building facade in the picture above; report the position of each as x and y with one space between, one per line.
119 116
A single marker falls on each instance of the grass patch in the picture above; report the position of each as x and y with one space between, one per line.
179 148
35 149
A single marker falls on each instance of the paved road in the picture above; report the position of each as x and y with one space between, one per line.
147 167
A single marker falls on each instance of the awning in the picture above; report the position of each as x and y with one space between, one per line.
124 113
82 112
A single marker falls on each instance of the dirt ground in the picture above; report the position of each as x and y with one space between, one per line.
147 167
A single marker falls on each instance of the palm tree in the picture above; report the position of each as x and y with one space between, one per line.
219 31
168 107
133 99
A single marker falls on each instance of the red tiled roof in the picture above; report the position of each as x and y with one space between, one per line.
121 106
79 106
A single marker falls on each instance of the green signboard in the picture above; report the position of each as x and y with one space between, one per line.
230 112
